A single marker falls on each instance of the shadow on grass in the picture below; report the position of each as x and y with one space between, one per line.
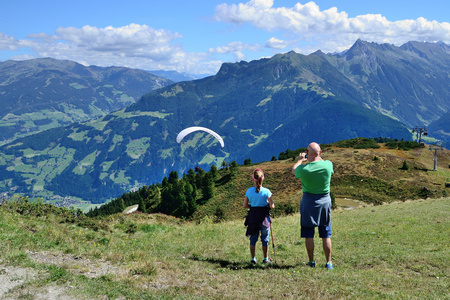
233 265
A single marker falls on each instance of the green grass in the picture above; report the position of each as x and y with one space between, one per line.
393 251
137 148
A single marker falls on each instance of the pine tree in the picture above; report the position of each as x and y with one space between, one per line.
173 176
224 165
405 166
155 199
191 179
142 206
233 168
208 186
165 182
120 205
191 176
214 172
199 177
191 196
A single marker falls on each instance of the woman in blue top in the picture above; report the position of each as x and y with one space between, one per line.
259 200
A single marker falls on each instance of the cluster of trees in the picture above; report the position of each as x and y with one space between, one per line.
396 144
179 197
403 145
289 154
358 143
365 143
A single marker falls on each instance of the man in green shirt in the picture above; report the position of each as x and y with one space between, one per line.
315 206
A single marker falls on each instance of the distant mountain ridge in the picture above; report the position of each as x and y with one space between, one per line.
177 76
260 108
44 93
408 83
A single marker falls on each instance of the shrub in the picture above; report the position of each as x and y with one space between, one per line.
284 209
405 166
402 145
333 200
358 143
131 229
146 268
219 215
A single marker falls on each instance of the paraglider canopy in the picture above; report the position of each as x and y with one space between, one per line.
188 130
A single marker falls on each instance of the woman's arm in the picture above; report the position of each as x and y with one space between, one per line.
271 205
246 203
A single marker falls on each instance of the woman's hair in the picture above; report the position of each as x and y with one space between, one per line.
258 177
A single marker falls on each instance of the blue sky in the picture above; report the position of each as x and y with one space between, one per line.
198 36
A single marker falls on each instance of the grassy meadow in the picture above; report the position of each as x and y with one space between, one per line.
365 176
398 250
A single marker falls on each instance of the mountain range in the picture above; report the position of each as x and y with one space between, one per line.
45 93
176 76
260 108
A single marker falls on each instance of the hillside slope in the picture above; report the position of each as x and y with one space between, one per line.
441 129
44 93
366 173
362 177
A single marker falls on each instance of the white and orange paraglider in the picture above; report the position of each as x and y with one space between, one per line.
189 130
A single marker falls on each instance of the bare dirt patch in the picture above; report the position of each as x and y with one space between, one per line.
77 265
13 285
14 280
11 277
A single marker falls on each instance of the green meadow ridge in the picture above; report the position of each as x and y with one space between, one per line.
366 172
392 251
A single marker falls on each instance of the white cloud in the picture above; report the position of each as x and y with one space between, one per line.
134 40
236 49
7 42
10 43
275 43
111 45
330 29
134 45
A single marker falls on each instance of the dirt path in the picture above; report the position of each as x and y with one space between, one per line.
14 279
